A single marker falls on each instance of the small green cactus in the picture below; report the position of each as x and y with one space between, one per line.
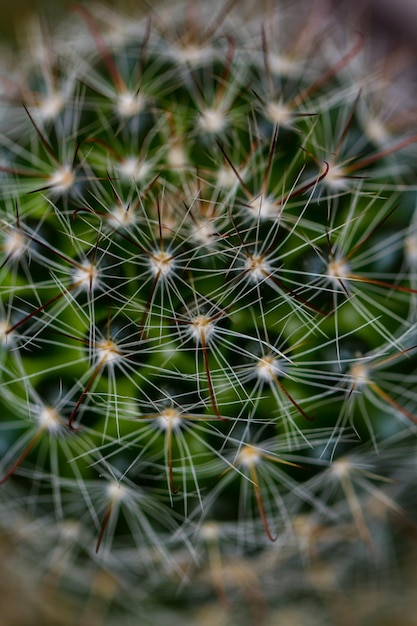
208 314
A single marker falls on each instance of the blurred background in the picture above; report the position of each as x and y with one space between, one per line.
15 12
395 20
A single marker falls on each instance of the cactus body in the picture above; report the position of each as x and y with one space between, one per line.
208 312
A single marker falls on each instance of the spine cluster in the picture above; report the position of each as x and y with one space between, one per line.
208 302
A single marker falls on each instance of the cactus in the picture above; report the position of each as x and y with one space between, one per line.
208 316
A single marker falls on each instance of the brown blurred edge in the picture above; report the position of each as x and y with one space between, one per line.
13 13
401 14
396 20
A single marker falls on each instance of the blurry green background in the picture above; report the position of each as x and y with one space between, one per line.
12 11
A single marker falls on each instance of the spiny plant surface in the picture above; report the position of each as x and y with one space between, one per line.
208 310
